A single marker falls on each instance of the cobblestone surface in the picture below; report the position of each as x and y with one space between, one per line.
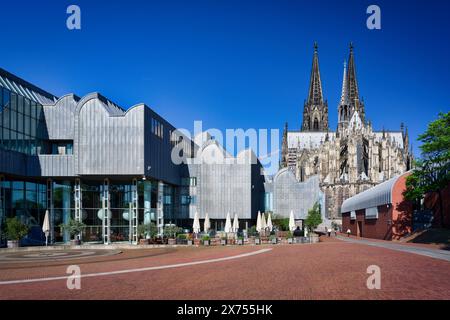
328 270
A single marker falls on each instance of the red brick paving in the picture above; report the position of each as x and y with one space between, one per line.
327 270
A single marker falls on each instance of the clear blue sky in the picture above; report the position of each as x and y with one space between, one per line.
236 64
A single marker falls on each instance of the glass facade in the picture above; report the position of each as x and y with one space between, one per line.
28 202
22 124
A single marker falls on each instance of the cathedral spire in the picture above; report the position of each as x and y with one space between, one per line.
352 86
315 110
344 94
315 95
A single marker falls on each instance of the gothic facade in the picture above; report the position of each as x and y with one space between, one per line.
351 159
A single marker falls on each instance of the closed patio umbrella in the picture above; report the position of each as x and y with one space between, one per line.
207 224
292 221
258 222
228 227
196 225
46 226
269 223
263 222
236 223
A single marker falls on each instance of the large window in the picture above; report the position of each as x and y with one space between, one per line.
22 125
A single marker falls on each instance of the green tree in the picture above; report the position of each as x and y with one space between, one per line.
280 222
73 227
148 229
431 173
15 229
314 217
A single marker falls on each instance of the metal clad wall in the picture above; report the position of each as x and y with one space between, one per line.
109 145
56 165
60 118
289 194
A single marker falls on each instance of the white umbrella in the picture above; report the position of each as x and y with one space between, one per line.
228 227
292 221
263 222
46 226
207 224
236 223
196 225
258 222
269 223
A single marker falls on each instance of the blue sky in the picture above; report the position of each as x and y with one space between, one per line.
236 64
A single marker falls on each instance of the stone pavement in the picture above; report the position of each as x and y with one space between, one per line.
432 253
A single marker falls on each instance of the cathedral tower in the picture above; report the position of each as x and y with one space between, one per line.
315 110
350 101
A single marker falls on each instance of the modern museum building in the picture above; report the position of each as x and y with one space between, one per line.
91 160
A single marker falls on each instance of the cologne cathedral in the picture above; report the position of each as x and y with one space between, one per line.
351 159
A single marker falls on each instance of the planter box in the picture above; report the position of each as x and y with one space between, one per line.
172 242
223 242
190 242
314 239
206 242
290 240
240 242
274 241
13 244
144 241
75 242
257 241
197 242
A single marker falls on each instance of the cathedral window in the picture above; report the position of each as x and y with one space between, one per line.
316 124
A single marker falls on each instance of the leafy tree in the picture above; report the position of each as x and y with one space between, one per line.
314 217
148 229
280 222
432 172
15 229
73 227
171 231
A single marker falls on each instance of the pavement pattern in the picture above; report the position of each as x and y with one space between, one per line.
332 269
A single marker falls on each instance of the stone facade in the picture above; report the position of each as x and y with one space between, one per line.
352 159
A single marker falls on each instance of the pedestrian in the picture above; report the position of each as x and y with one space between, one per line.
348 232
329 232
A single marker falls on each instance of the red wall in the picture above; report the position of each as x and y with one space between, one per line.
394 220
432 202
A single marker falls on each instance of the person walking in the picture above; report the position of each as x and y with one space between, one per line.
348 232
329 232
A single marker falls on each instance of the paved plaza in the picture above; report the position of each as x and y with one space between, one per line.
331 269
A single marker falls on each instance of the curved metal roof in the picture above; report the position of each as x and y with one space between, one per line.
373 197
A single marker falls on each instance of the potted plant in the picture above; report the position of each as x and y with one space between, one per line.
240 240
206 240
15 230
182 238
146 232
171 231
190 241
273 239
74 228
223 241
257 240
290 237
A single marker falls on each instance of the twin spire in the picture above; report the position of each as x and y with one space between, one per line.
315 113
